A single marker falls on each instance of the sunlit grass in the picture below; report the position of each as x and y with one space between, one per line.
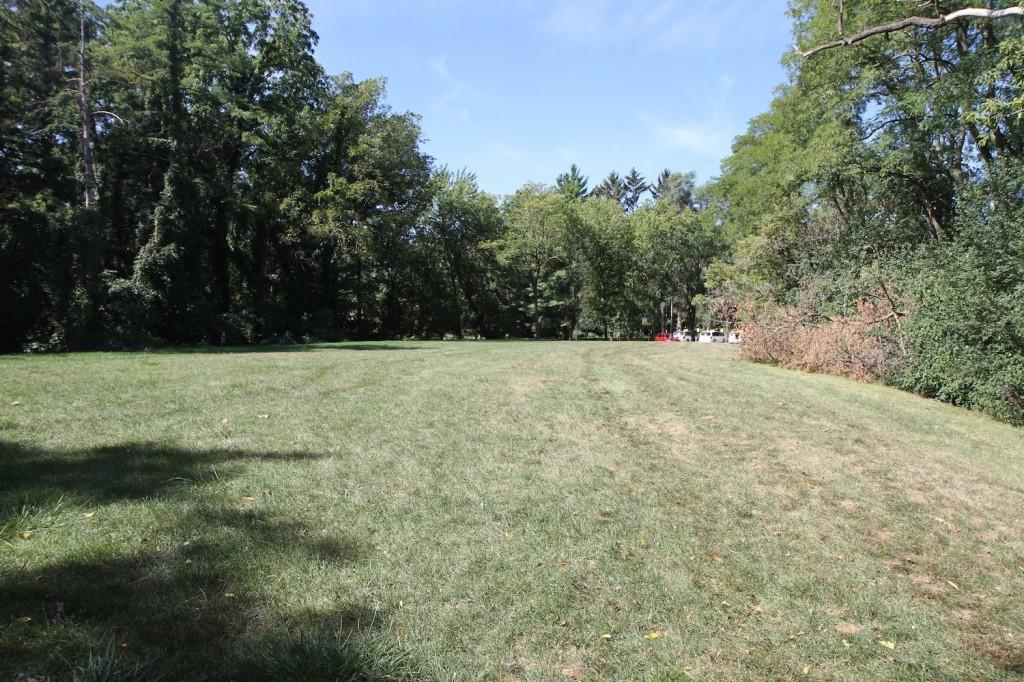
498 511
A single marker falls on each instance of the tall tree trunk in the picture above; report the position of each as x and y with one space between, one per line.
455 283
220 261
219 246
456 304
91 194
534 288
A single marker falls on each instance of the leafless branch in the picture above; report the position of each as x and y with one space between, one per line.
108 113
920 22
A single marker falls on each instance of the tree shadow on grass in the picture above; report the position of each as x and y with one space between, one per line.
125 471
205 590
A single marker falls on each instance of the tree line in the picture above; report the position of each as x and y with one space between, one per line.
184 171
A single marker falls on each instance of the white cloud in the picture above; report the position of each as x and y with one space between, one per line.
567 153
660 24
725 83
451 100
710 136
711 139
439 65
503 151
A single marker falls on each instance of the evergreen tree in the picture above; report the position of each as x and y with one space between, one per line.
612 187
572 184
675 188
634 186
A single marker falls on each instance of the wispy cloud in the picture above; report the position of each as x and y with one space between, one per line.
503 151
711 138
567 154
658 24
709 135
452 101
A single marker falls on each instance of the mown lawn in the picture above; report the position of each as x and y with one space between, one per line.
498 511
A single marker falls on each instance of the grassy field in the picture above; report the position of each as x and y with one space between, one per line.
498 511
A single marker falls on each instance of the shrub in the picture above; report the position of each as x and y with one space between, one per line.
966 336
862 345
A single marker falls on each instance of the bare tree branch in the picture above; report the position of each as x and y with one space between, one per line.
100 112
920 22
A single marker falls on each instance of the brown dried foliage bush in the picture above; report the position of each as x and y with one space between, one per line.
863 345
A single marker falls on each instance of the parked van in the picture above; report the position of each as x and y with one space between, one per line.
711 336
735 336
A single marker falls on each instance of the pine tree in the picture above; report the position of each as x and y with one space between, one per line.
612 187
676 188
572 184
634 186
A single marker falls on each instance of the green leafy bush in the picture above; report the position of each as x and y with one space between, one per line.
965 336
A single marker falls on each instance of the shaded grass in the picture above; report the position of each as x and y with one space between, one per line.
499 510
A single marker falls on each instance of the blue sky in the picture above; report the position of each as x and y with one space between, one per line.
516 90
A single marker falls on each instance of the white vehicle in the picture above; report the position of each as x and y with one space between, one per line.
711 336
682 336
735 336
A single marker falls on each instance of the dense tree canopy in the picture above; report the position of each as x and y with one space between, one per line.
888 172
177 171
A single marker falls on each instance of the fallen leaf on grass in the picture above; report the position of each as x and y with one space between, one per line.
654 634
887 644
953 584
88 515
848 628
25 534
606 636
25 619
263 416
644 544
249 498
807 670
229 595
15 403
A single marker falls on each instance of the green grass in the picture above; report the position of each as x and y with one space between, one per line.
498 511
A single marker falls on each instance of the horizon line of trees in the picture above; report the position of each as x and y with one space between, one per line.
184 171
